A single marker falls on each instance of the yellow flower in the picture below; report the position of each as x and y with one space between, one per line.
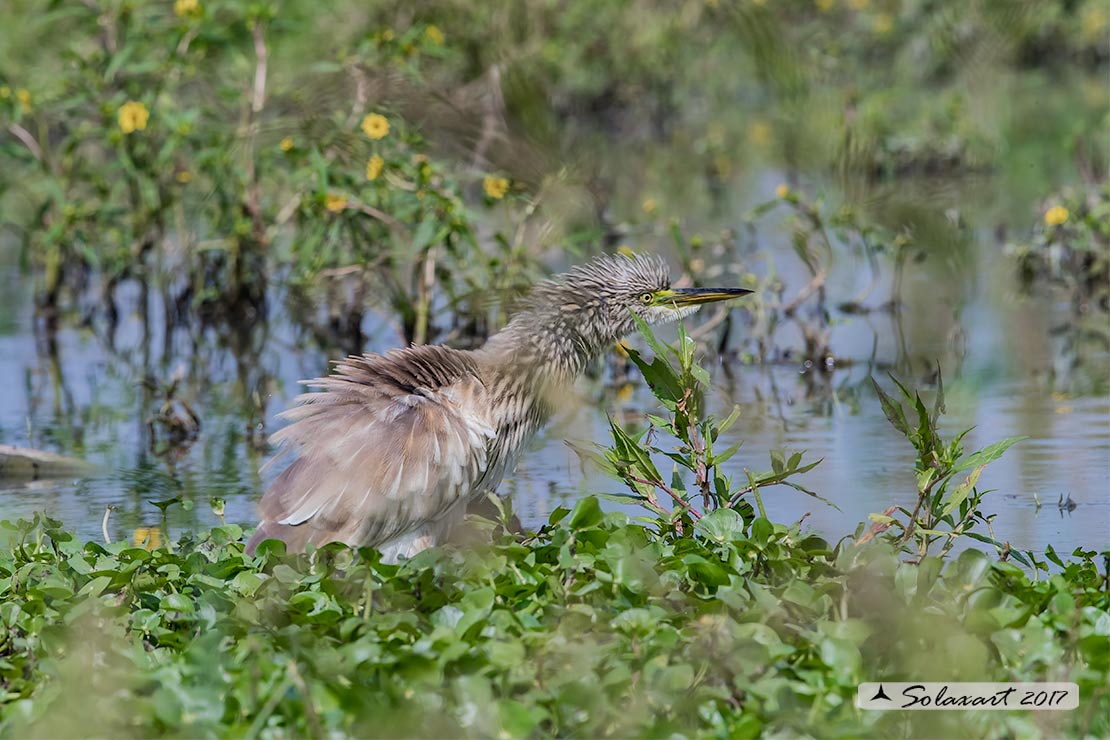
187 8
824 5
148 537
782 191
375 125
387 34
184 177
132 117
1093 22
1056 216
760 133
334 202
495 187
434 35
24 98
883 23
286 144
649 205
374 167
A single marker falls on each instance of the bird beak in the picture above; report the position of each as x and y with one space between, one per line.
682 297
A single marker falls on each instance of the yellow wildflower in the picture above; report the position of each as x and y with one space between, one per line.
132 117
148 537
883 23
722 165
1056 216
782 191
335 202
434 35
495 187
24 98
387 35
760 133
184 177
824 5
374 167
286 144
375 125
649 205
187 8
1093 22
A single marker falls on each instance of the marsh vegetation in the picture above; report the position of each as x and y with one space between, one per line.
204 201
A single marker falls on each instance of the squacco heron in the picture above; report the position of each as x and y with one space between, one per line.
394 446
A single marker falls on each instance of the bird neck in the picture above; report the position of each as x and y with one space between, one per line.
544 345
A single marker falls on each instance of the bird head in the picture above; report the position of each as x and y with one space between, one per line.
594 303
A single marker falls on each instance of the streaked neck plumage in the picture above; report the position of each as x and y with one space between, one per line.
551 343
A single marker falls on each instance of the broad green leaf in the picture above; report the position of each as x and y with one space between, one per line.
957 495
586 513
762 529
987 455
721 525
892 410
649 336
660 376
720 457
731 419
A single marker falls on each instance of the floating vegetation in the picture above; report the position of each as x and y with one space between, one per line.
1070 248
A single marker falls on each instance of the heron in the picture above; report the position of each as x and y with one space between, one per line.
391 447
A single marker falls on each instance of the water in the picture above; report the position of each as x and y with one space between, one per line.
86 398
1013 364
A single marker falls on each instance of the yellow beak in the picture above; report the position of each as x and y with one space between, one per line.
681 297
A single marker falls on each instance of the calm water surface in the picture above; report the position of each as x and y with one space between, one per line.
1009 369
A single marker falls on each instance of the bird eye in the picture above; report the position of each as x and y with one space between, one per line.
646 298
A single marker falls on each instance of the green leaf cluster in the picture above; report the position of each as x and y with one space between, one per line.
697 483
947 507
593 626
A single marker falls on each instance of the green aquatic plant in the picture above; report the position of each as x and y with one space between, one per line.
698 484
705 619
591 626
1070 249
946 507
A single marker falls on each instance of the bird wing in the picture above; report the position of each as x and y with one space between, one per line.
392 442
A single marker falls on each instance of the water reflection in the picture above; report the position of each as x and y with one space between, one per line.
176 408
78 392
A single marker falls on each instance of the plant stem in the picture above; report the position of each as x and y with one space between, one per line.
678 499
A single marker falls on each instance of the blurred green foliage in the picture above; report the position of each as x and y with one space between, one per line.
594 626
705 621
209 147
1070 248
